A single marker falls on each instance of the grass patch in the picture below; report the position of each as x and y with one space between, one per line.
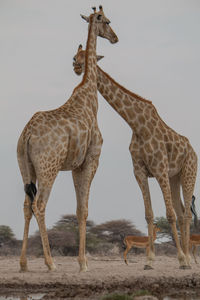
116 296
141 293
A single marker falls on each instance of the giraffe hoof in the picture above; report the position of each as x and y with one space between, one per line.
83 269
52 267
147 267
83 264
23 269
184 267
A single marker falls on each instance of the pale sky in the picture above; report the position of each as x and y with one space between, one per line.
157 57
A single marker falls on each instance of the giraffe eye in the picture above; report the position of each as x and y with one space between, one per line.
74 58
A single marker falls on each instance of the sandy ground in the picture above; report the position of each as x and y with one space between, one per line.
105 275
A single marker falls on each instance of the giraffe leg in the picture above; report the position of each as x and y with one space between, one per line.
38 206
27 216
165 187
178 206
82 178
141 177
188 178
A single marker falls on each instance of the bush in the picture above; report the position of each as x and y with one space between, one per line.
6 234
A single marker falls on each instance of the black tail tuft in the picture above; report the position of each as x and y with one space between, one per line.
193 210
30 190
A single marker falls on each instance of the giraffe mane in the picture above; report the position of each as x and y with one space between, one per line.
127 91
136 97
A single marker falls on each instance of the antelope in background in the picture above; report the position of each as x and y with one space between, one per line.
194 238
193 244
138 242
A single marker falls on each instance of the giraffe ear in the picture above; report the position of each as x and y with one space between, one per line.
85 18
80 47
99 57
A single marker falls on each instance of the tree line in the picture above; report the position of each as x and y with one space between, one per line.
101 239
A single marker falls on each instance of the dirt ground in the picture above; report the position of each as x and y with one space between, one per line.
105 275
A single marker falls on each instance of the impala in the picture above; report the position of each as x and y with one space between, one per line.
138 242
193 244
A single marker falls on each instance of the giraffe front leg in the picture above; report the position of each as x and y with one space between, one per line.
27 216
82 178
141 176
150 250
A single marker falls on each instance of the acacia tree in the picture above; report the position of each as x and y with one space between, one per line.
70 222
115 231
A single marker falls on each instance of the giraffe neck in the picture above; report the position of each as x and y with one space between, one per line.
128 105
90 74
88 85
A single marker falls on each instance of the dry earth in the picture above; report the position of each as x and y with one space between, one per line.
105 275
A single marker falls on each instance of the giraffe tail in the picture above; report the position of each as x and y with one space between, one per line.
26 166
31 190
193 210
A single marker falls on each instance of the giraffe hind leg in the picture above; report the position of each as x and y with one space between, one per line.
30 190
188 178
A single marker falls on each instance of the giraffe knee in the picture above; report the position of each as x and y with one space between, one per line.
188 215
149 219
180 220
171 217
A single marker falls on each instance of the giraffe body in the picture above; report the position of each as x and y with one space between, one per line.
67 138
157 151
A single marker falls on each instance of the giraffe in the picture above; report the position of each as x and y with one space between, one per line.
157 151
66 138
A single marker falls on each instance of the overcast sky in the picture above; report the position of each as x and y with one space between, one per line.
157 57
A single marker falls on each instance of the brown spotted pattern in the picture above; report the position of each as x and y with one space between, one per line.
157 151
67 138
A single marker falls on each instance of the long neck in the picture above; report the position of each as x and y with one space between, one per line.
90 59
128 105
88 85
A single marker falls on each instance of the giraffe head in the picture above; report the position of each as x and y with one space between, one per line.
103 28
79 60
